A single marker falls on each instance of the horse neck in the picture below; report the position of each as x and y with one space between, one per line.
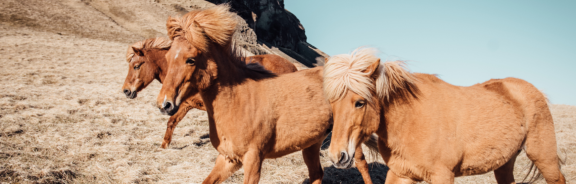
231 80
395 110
157 56
233 70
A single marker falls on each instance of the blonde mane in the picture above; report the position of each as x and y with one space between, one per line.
214 27
150 43
348 72
200 27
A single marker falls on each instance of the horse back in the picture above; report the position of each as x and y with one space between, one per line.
530 104
274 63
517 91
509 116
456 124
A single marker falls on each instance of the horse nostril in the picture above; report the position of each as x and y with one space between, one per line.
343 157
167 106
127 92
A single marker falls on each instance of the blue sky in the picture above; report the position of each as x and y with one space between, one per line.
465 42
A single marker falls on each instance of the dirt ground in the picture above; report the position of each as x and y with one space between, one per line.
64 119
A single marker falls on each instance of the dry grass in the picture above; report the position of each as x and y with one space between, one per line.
63 118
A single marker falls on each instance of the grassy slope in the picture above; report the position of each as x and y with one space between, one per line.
64 118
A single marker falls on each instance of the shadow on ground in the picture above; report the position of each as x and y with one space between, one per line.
352 176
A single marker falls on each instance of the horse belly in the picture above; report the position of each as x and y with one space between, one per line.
298 133
289 143
476 164
303 116
491 145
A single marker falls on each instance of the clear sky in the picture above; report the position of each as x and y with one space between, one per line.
465 42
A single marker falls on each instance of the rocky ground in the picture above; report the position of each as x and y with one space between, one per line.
63 117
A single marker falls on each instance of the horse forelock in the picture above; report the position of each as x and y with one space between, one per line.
346 72
211 32
150 43
130 52
157 43
200 27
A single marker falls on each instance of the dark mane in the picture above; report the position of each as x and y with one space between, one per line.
235 58
406 94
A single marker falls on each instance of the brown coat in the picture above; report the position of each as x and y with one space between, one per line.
433 131
146 62
253 114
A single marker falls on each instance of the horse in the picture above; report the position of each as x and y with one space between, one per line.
274 63
253 114
146 62
430 130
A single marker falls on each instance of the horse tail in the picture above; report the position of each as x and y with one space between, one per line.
534 174
372 144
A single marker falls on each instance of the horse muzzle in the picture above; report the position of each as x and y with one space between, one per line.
345 161
130 94
168 108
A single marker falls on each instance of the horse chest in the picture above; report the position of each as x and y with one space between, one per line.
227 148
405 167
235 141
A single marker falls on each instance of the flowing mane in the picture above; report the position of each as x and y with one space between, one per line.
245 97
200 27
347 72
158 43
214 26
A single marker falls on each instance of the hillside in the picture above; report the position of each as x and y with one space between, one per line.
279 31
64 118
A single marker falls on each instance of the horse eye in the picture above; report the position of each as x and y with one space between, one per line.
190 61
137 67
359 104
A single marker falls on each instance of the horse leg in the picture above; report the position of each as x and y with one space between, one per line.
252 161
362 165
505 174
173 121
222 170
442 175
393 178
541 147
312 160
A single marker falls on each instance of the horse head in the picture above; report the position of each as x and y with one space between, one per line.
357 85
143 68
198 38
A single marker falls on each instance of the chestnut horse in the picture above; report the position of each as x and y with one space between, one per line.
147 61
433 131
253 114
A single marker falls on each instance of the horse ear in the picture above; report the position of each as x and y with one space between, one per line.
173 27
372 68
137 51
